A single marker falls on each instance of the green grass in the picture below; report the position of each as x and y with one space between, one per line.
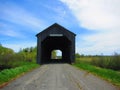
8 74
107 74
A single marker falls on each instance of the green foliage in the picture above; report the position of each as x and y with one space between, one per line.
102 66
8 74
110 62
53 56
4 50
29 54
20 62
5 55
84 59
10 59
110 75
77 55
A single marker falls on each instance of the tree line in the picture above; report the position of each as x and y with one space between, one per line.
11 59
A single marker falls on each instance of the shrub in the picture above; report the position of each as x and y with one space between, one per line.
111 62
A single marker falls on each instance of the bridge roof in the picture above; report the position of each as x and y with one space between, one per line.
55 28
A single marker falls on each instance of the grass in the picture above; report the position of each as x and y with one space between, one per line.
109 62
8 74
86 60
107 74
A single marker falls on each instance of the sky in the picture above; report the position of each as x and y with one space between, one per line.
96 23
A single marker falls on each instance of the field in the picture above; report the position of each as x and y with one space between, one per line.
109 62
106 67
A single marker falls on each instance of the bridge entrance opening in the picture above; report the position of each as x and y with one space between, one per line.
50 44
56 56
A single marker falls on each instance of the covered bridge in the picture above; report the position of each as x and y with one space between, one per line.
55 37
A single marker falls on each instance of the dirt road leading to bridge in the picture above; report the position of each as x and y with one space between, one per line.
59 77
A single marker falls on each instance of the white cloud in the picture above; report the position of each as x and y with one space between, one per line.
18 15
59 12
102 16
9 30
106 43
10 33
96 14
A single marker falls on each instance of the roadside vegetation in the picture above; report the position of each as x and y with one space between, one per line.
108 62
9 74
107 67
13 64
11 59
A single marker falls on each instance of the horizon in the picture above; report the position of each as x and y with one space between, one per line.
95 23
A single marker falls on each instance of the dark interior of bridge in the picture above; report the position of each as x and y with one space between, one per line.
56 43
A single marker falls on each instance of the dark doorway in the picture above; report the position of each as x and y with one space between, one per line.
52 43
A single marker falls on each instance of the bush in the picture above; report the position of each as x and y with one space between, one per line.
111 62
115 62
10 59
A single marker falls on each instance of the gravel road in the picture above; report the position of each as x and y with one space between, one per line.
59 77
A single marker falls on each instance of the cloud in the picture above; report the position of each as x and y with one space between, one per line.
18 15
59 13
96 14
98 43
9 30
101 16
10 33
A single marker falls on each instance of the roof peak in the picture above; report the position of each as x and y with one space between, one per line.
56 24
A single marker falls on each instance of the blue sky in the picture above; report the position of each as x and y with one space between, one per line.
96 23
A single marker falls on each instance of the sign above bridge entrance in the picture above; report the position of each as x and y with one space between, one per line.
56 35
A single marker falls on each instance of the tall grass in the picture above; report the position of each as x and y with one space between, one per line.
107 74
8 74
110 62
103 66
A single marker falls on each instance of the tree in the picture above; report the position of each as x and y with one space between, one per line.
77 55
53 56
0 44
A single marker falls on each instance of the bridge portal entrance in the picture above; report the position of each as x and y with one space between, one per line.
55 37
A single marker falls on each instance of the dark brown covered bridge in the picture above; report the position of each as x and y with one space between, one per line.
55 37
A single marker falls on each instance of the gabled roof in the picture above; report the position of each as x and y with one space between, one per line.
56 25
